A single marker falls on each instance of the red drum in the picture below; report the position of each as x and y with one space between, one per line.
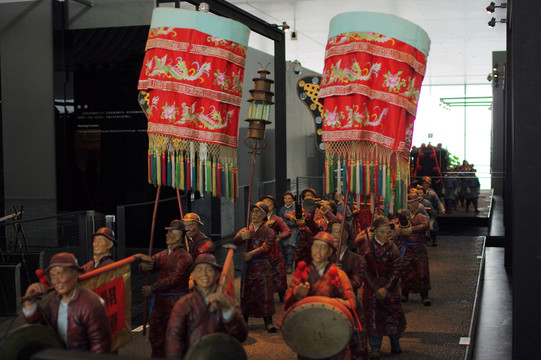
317 327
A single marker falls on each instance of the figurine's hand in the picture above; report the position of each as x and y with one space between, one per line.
246 234
301 290
35 289
381 293
299 222
247 256
277 239
142 257
326 206
220 299
147 265
146 290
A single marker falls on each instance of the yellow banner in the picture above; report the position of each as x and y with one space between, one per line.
114 287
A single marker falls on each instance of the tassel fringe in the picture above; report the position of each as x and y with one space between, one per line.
193 166
377 177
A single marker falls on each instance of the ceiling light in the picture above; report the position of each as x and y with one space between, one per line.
492 7
493 21
284 27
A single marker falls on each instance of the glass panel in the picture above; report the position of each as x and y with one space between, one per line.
458 117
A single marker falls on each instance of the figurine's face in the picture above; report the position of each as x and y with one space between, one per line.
421 191
309 195
383 233
205 276
101 245
173 237
321 252
269 203
64 280
335 232
288 200
192 228
426 185
413 207
258 216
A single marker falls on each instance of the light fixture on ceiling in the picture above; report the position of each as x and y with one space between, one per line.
284 27
493 22
492 7
203 7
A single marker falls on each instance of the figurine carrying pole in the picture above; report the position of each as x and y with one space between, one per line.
258 118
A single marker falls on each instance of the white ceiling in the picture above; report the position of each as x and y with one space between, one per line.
462 42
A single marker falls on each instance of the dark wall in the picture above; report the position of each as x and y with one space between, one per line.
26 50
101 131
523 57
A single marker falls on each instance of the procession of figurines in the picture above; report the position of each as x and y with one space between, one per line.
364 266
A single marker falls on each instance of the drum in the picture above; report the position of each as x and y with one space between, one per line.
25 341
317 327
216 346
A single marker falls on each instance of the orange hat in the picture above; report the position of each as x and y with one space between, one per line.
325 237
105 232
176 225
383 221
308 190
271 198
261 206
64 259
207 259
192 217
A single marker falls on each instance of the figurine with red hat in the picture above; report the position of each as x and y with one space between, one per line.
103 241
204 311
352 265
382 267
257 293
197 242
276 259
412 238
173 266
76 314
309 224
289 245
323 279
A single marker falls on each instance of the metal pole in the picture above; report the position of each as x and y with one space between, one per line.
342 224
179 204
244 265
150 245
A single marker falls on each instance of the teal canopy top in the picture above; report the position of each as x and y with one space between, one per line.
385 24
207 23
